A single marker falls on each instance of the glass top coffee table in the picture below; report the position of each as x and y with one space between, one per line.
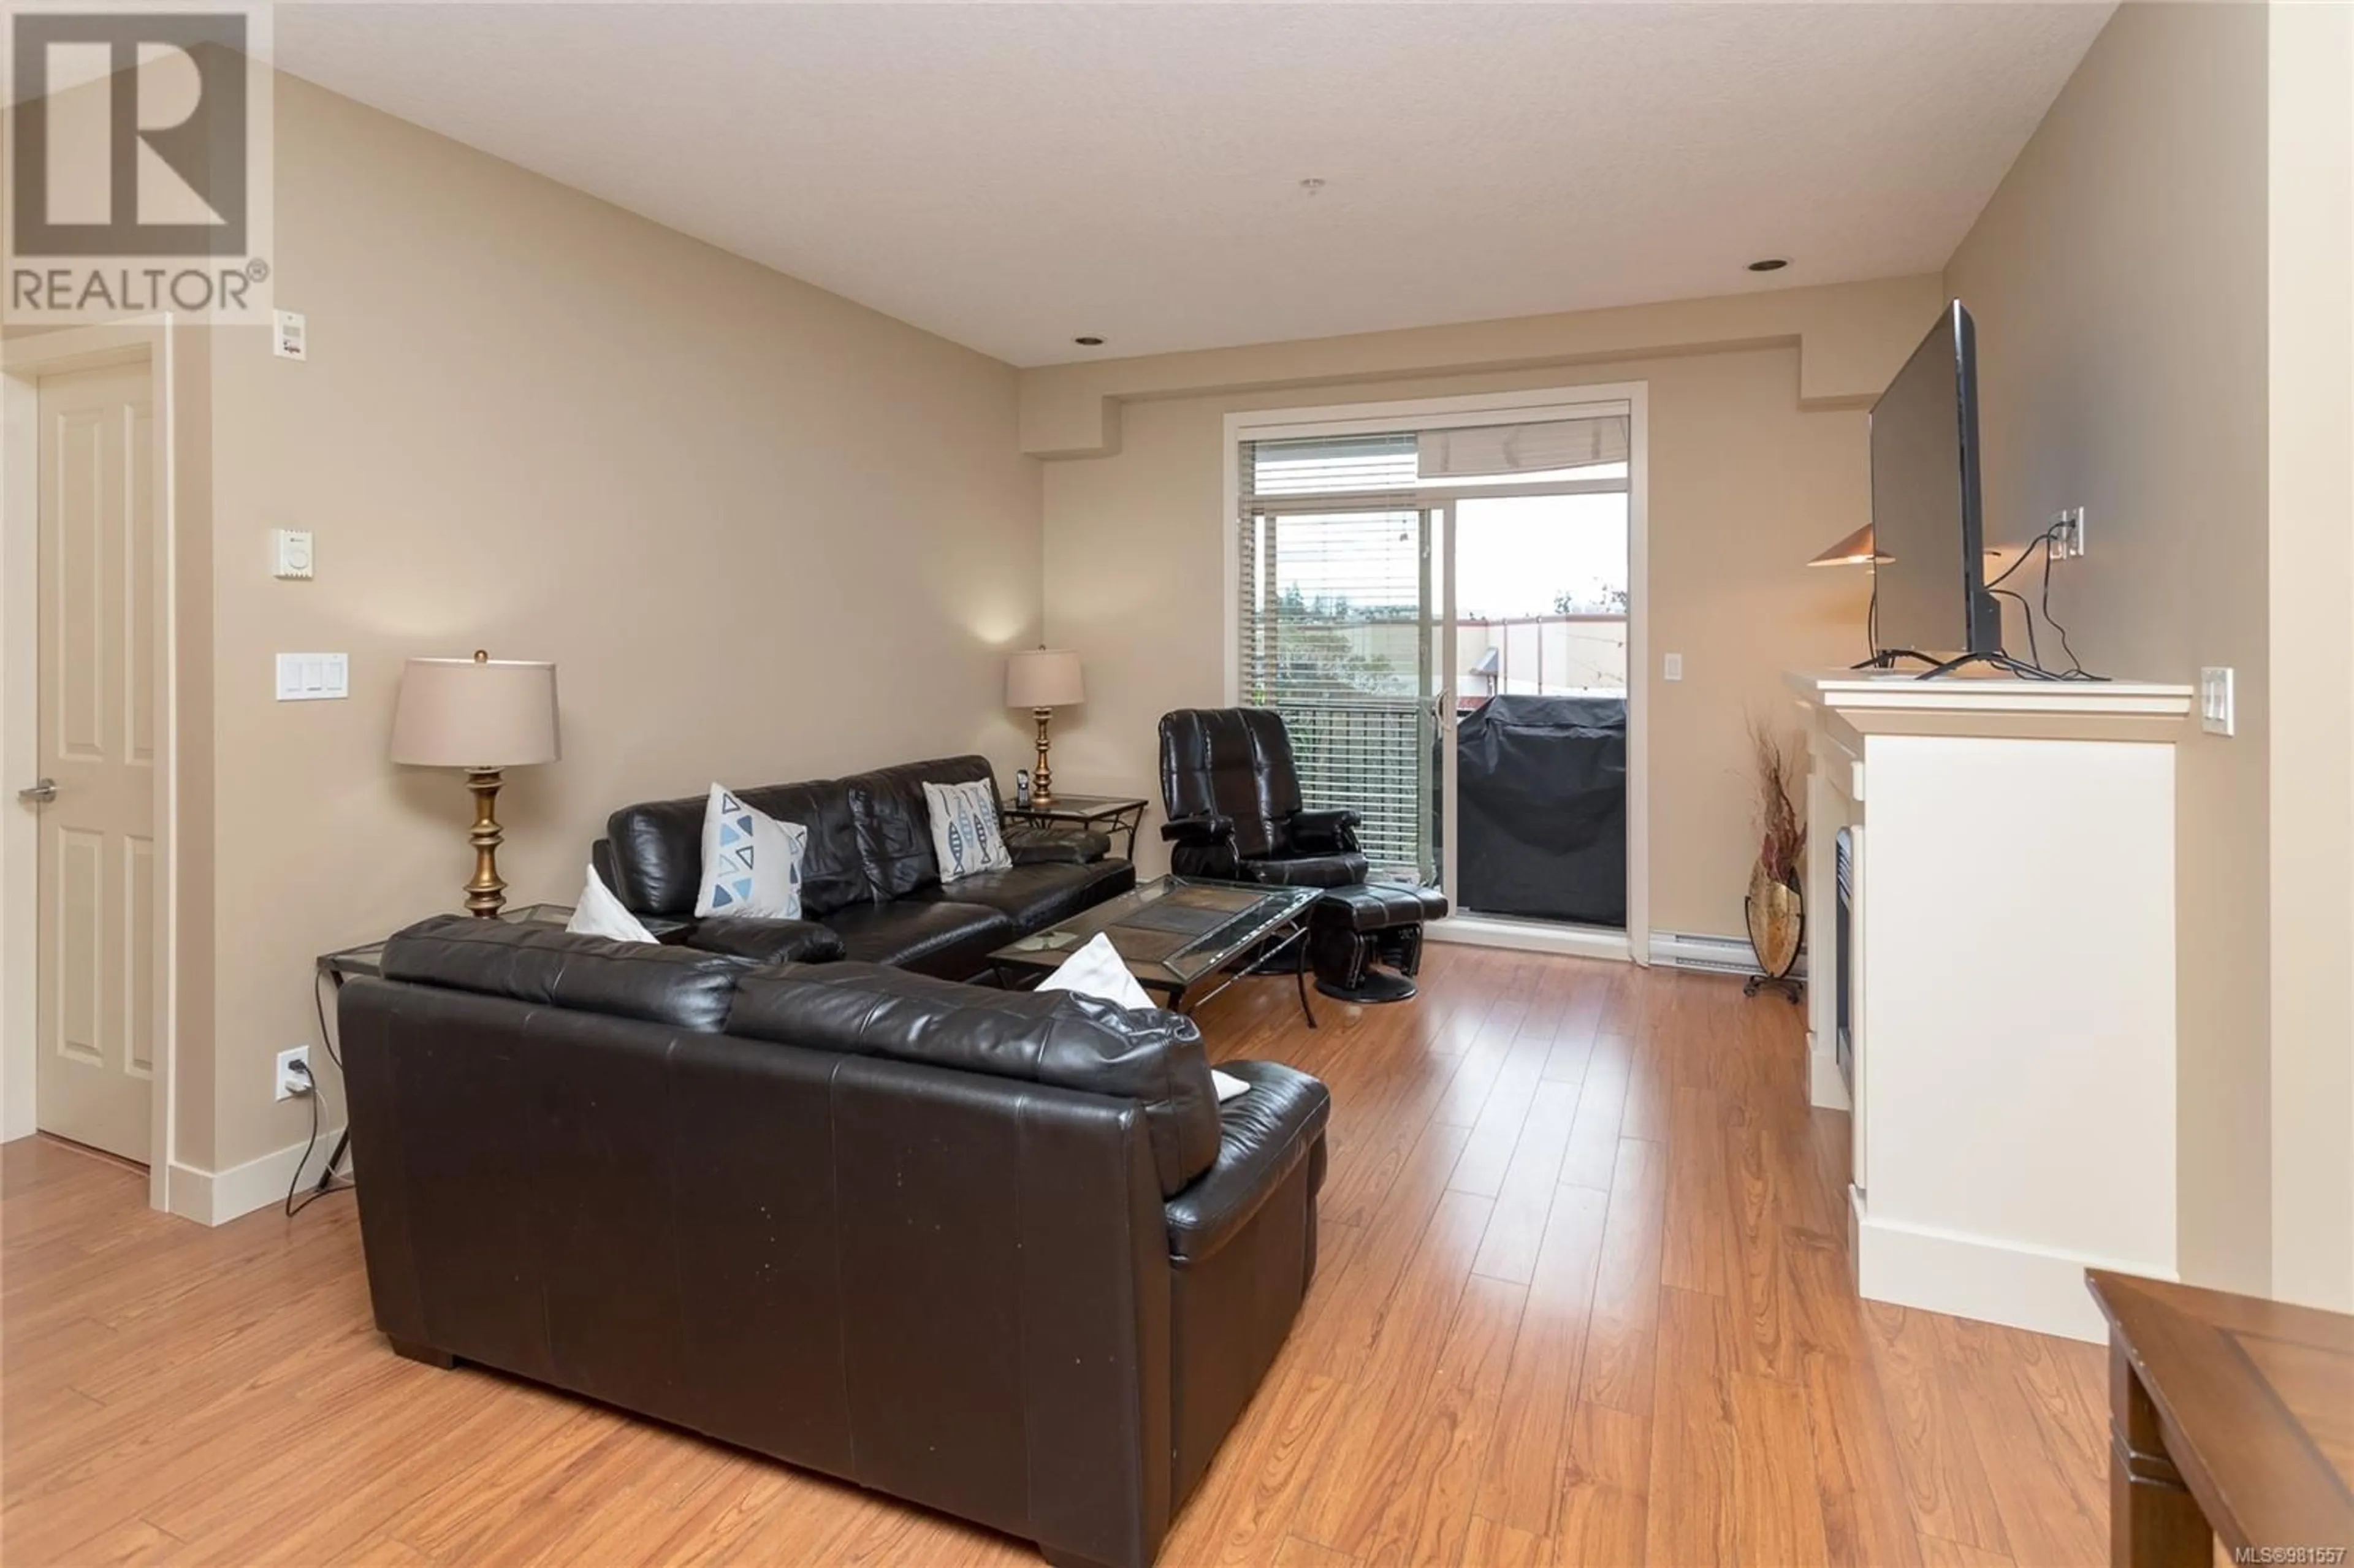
1181 937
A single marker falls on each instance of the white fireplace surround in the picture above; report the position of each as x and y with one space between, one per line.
2013 1010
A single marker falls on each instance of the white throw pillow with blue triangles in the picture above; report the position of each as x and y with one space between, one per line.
751 861
964 829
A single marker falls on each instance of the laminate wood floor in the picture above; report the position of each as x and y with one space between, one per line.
1584 1299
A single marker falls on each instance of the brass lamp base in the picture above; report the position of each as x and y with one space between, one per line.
486 894
1042 788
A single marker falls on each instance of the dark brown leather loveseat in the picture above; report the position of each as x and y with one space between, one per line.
871 886
1000 1254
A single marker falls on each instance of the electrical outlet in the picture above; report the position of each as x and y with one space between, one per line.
292 1083
2067 540
1672 667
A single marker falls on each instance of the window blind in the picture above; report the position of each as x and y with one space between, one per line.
1328 472
1334 630
1543 447
1320 466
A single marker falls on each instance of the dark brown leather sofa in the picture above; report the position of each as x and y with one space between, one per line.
871 886
1000 1254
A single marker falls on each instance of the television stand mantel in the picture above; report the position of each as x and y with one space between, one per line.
2009 983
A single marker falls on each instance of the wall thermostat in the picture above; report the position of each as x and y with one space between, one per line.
290 553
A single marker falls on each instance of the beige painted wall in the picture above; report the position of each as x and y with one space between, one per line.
2311 193
2118 281
1744 487
766 533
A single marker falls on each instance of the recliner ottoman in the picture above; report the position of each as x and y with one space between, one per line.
1351 929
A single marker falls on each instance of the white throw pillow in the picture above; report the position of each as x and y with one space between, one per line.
964 829
1096 970
600 914
751 861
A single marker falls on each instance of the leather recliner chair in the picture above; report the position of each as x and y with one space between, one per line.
1235 814
1001 1253
1232 793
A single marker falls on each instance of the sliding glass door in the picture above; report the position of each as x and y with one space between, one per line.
1395 584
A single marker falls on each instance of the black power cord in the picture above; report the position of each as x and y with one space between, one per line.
2027 614
2041 542
2041 546
327 1038
2076 666
327 1183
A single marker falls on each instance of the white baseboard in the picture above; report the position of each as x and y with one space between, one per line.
1529 936
216 1197
2012 1283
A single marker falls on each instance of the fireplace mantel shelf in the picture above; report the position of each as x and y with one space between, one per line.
1857 690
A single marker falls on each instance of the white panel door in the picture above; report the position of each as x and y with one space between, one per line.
98 884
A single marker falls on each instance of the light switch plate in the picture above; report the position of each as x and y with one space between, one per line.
1674 667
289 553
314 677
290 334
2215 715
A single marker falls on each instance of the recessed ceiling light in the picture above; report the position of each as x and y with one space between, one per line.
1771 264
1088 341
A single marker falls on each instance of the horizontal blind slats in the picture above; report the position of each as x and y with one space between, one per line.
1333 634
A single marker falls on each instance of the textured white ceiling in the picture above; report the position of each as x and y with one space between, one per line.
1010 176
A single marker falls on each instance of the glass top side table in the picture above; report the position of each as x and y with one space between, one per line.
1114 813
369 958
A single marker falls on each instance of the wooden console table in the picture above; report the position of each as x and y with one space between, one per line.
2229 1416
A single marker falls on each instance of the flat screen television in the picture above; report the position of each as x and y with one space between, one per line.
1930 593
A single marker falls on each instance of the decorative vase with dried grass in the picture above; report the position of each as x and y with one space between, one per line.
1776 905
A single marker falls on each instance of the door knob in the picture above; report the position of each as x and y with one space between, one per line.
40 794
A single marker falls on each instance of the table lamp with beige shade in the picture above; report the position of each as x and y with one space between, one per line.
482 714
1042 680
